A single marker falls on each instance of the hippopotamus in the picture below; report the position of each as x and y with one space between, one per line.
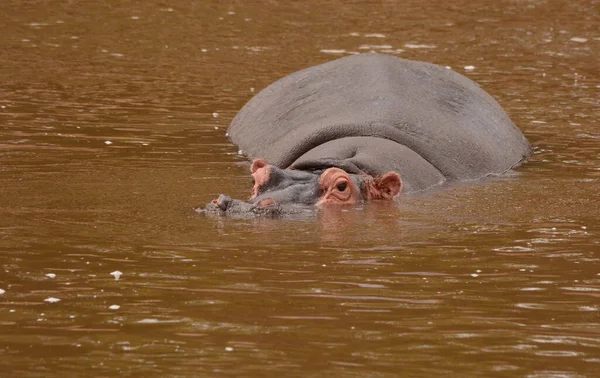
368 127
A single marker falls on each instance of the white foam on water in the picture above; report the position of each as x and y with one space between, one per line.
149 321
419 46
117 274
333 51
367 47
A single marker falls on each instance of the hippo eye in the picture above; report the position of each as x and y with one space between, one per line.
253 181
341 186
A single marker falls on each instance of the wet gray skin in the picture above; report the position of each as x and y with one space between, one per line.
287 192
225 205
286 186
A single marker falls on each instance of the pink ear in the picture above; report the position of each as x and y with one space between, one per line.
258 164
388 185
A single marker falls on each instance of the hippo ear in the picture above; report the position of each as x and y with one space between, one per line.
258 164
388 185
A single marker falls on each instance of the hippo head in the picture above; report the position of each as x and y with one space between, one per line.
279 191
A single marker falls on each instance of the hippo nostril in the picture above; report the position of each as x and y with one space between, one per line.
223 202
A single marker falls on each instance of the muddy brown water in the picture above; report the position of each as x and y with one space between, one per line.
112 128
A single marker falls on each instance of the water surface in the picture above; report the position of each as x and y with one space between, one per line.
112 129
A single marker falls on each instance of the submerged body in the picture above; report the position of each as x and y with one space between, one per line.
370 126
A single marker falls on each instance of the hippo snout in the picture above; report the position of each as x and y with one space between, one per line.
225 205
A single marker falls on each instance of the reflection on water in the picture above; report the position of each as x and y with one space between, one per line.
112 130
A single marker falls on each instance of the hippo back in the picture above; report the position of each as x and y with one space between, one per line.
372 113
